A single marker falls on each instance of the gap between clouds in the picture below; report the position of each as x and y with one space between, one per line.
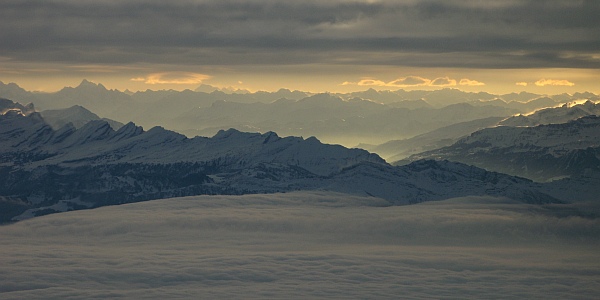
412 81
173 78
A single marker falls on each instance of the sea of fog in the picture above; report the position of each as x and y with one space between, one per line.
305 245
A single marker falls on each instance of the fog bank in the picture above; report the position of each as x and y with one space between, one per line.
304 245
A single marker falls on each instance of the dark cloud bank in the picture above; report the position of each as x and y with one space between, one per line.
304 245
479 34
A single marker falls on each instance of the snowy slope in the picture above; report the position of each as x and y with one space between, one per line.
542 152
554 115
97 143
56 170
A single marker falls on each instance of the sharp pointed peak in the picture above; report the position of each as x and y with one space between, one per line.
87 83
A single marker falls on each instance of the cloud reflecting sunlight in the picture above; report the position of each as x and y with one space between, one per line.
173 78
415 81
443 82
469 82
554 82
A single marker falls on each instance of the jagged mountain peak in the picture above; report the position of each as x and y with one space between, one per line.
88 84
127 131
313 139
85 86
93 130
20 119
159 132
270 136
9 105
158 145
321 97
12 89
224 134
232 132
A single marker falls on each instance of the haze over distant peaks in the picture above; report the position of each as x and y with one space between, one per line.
95 165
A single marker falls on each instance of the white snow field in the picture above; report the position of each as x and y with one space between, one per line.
304 245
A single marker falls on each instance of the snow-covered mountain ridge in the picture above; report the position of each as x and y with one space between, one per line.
554 115
43 170
557 138
97 143
540 152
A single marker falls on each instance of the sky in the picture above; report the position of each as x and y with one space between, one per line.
498 46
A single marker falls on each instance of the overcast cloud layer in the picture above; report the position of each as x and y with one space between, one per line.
302 246
474 34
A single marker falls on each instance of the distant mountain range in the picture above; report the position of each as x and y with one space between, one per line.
44 170
371 116
396 150
67 157
77 115
445 136
331 118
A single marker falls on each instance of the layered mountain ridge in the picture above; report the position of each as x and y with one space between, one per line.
43 170
399 150
542 152
372 117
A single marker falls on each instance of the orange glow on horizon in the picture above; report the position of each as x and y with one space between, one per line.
315 79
